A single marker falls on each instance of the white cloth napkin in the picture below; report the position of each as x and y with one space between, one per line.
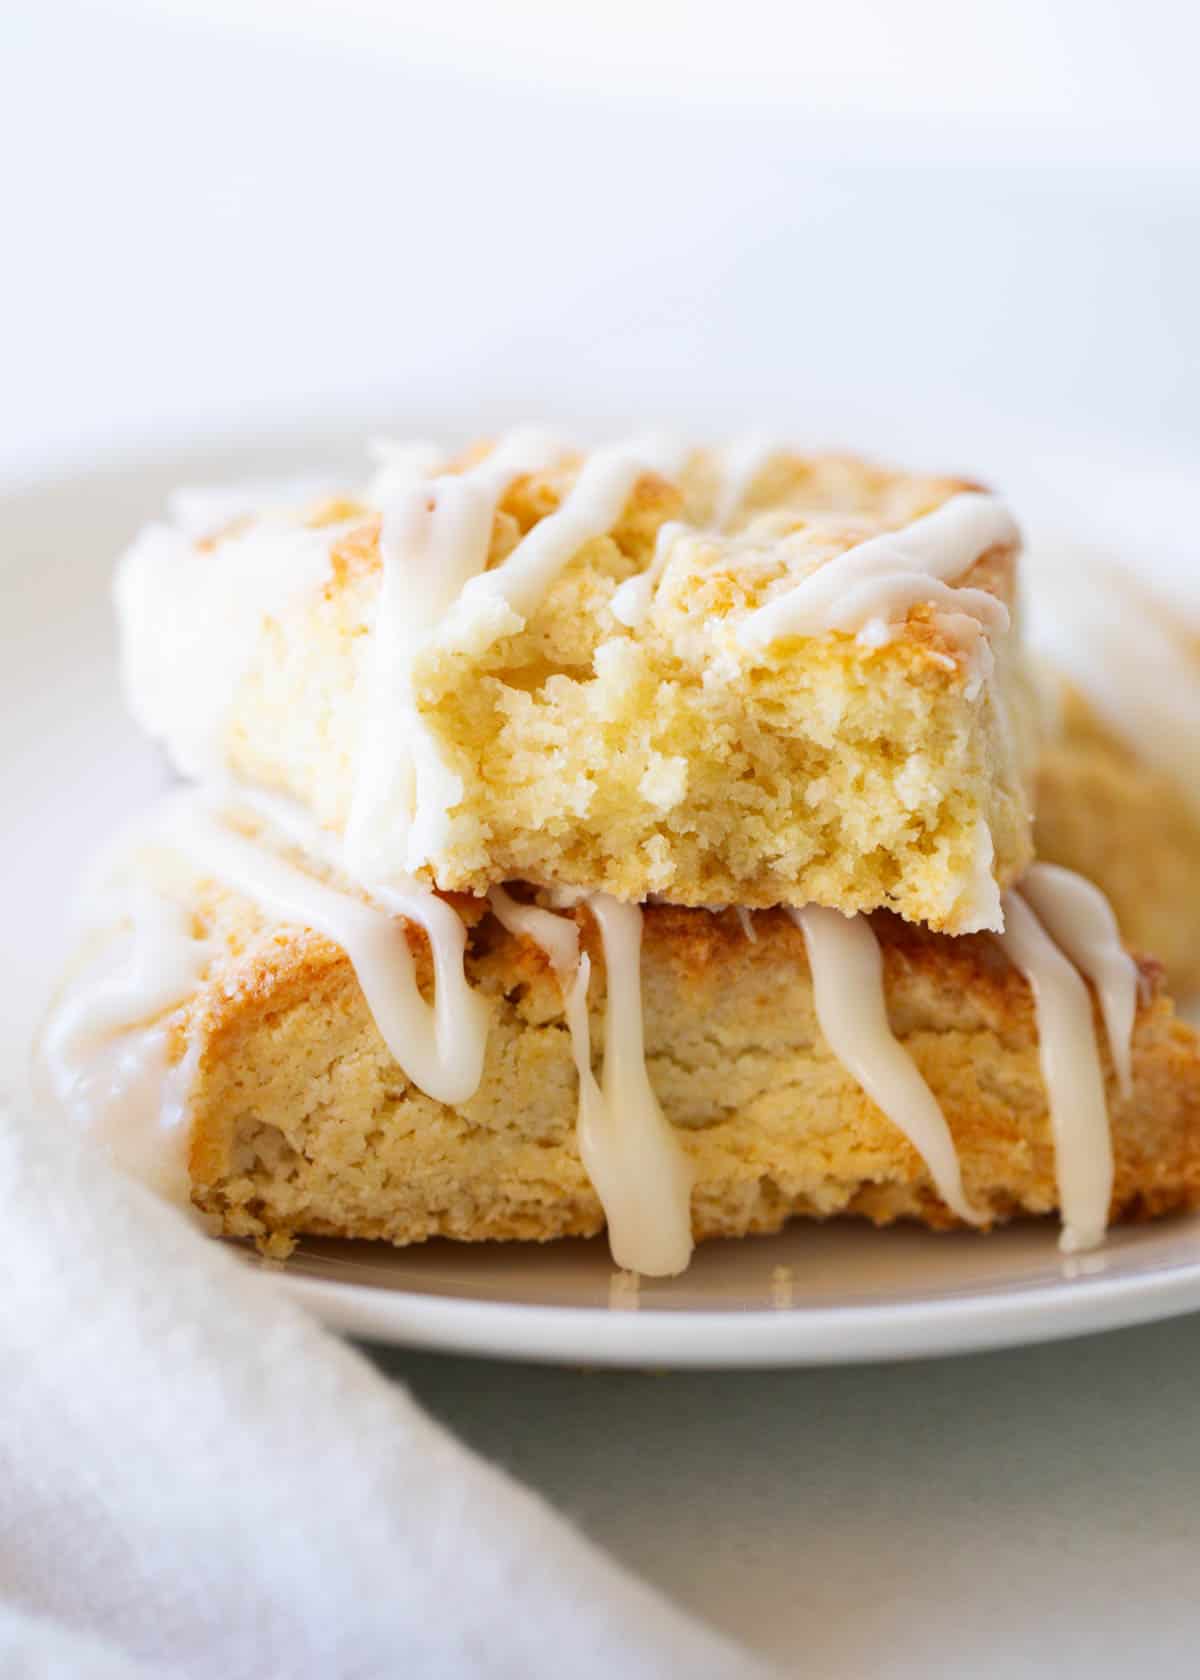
196 1480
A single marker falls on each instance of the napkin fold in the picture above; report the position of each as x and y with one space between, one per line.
197 1480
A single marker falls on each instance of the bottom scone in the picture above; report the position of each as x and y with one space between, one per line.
295 1117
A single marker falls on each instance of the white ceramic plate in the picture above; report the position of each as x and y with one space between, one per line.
72 768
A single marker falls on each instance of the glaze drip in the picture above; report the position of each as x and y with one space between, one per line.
632 599
106 1056
440 1047
434 538
499 602
1072 1072
847 977
739 465
871 587
631 1153
1080 920
629 1149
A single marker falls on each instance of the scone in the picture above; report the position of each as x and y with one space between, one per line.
1118 783
607 842
1104 811
649 670
491 1069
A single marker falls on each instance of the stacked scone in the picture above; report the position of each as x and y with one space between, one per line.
639 839
1118 785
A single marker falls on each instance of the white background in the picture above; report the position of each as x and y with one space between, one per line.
964 233
890 224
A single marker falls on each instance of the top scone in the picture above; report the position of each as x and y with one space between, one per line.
647 671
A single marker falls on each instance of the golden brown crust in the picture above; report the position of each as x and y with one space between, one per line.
924 642
303 1123
820 482
528 500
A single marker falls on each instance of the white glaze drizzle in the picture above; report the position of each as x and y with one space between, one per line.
632 599
847 978
1105 638
164 961
287 821
400 464
557 936
107 1056
499 602
873 585
457 1007
739 463
663 452
1080 920
1073 1076
978 907
435 544
128 1094
631 1153
746 918
104 1054
629 1149
191 622
439 1047
869 589
624 1292
434 537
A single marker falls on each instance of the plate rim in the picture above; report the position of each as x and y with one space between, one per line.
754 1339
